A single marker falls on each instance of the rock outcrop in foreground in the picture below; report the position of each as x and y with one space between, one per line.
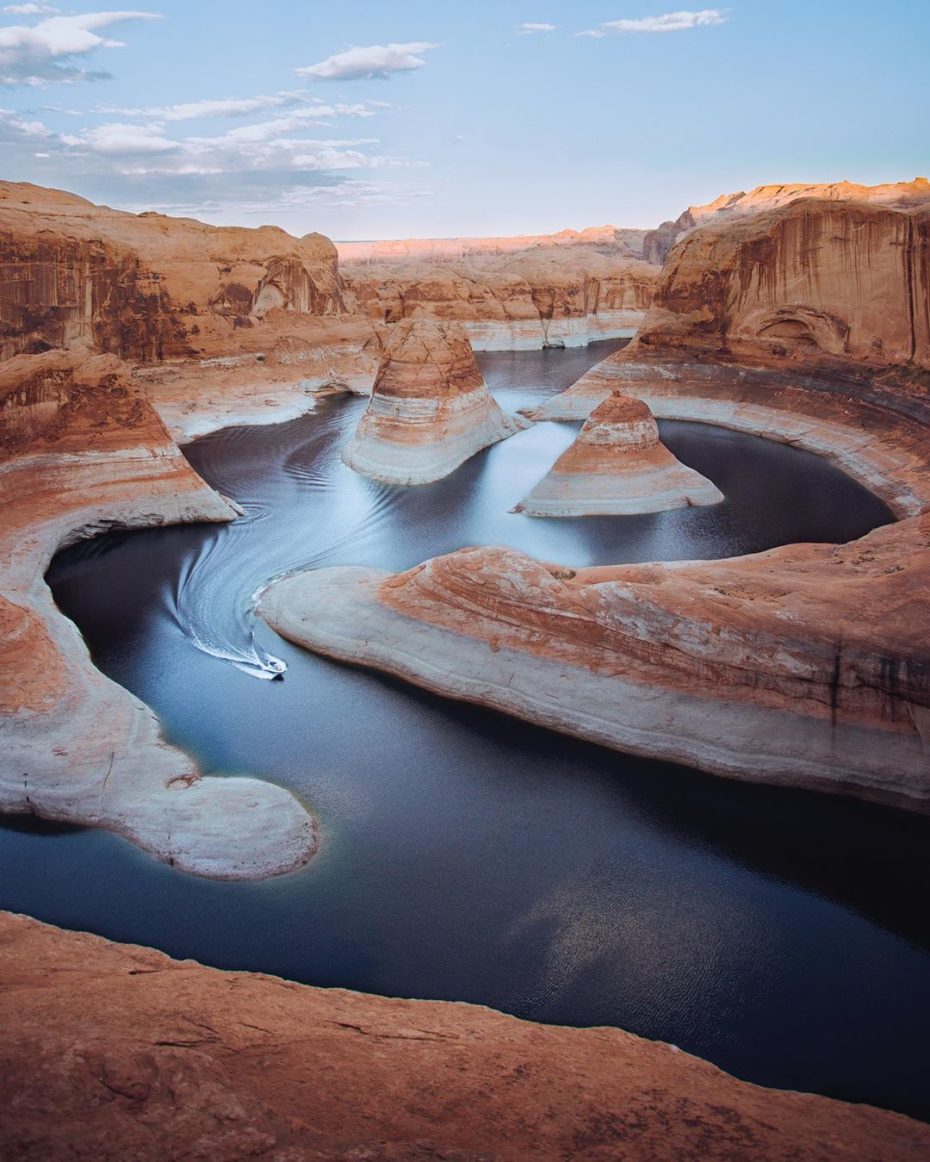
430 409
618 465
814 281
83 452
113 1051
730 207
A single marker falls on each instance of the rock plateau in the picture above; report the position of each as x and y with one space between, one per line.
618 465
430 409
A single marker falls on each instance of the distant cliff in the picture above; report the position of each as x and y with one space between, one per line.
815 278
729 207
145 287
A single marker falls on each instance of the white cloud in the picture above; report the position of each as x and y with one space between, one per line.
669 22
28 9
37 54
528 26
593 33
119 140
373 61
208 107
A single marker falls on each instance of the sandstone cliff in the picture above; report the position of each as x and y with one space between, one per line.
430 409
145 286
618 465
730 207
84 452
527 300
113 1051
815 280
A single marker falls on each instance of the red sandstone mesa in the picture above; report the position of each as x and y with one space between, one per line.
618 465
430 408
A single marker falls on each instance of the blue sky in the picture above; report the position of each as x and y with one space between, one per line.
366 119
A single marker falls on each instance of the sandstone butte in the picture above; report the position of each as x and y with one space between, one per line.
82 452
618 465
114 1051
430 409
729 207
806 665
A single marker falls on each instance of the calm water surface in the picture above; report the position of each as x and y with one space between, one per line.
781 934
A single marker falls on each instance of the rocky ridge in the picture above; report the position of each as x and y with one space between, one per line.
113 1051
729 207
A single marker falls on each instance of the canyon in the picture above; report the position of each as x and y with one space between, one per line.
801 314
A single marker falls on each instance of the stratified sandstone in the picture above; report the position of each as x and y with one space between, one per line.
83 453
618 465
553 296
729 207
815 280
113 1051
148 287
430 409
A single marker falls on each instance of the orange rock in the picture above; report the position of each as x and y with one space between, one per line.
430 409
618 465
114 1051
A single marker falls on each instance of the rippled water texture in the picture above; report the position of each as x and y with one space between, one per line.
781 934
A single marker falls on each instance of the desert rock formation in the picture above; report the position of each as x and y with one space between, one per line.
618 465
430 409
620 241
729 207
114 1051
147 287
83 453
556 296
814 280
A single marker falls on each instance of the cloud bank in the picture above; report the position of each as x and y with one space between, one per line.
48 51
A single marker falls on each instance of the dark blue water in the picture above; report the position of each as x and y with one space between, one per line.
782 934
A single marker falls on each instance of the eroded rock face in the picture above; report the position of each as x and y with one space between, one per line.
114 1051
430 408
145 286
84 453
814 281
621 241
618 465
524 301
730 207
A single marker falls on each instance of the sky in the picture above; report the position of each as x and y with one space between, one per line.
417 118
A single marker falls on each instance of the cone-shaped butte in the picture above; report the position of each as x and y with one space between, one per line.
430 409
618 465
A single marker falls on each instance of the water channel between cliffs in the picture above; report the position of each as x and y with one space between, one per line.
465 856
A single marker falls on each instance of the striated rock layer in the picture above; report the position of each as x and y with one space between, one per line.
618 465
554 296
730 207
815 281
114 1051
84 453
430 409
145 286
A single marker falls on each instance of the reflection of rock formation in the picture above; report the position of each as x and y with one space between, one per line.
618 465
146 287
814 280
108 1036
524 301
86 453
729 207
430 408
